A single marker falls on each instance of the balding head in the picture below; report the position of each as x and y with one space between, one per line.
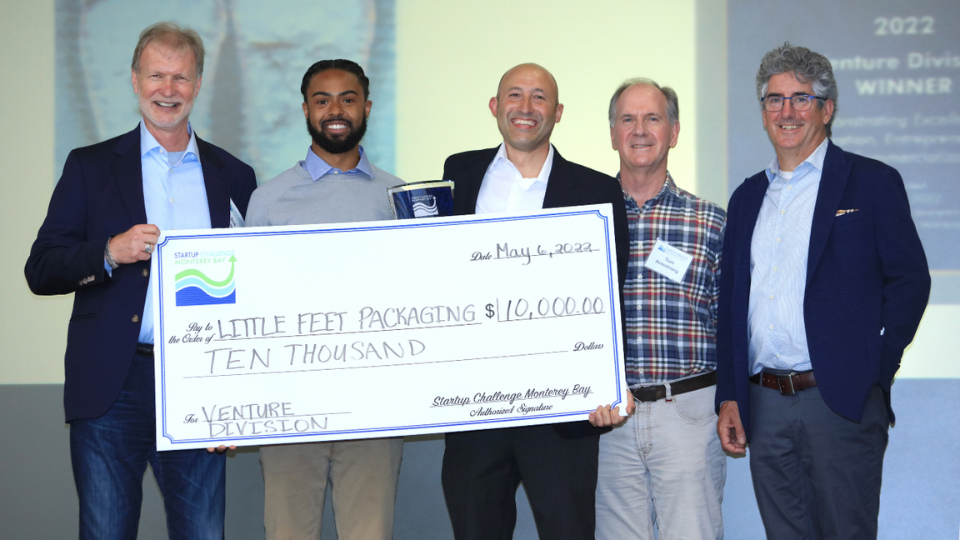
526 108
531 68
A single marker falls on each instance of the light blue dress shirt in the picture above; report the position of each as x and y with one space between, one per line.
317 167
174 195
778 266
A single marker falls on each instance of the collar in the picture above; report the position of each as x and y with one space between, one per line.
669 189
317 167
501 160
815 159
148 142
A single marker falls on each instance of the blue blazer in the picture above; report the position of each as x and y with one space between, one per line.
866 289
101 195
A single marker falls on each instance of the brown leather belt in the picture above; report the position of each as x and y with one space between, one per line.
787 384
658 392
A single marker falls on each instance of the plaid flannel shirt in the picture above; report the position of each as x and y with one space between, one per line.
671 327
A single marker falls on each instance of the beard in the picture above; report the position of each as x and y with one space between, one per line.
147 111
341 145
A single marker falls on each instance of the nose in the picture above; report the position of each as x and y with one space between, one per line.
168 88
639 127
788 109
336 108
526 105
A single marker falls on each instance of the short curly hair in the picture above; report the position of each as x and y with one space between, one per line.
344 65
807 66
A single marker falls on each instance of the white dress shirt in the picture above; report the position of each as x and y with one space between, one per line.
504 189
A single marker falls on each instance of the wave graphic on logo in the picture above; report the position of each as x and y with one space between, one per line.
194 288
424 210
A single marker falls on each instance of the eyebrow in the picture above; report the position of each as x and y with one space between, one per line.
321 93
541 90
778 94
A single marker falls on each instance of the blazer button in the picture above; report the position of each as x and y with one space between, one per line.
146 273
136 318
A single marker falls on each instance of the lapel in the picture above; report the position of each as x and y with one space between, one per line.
469 189
559 184
833 182
128 173
755 190
216 183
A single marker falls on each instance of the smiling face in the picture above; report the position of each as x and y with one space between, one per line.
526 107
336 112
641 132
795 134
166 85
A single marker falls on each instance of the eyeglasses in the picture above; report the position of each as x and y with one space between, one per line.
800 103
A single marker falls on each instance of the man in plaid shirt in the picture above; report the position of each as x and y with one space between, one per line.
663 465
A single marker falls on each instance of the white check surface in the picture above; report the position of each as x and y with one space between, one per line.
365 330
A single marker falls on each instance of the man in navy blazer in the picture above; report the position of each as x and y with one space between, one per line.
103 222
824 282
557 463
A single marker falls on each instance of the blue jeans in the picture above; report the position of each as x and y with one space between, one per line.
110 455
663 468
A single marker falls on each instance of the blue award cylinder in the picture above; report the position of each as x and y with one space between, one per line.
432 198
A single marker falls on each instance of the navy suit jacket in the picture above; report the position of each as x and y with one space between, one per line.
867 284
100 195
569 184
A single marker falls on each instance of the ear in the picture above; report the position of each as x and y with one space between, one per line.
559 112
827 111
613 139
493 106
306 112
133 79
366 108
674 134
197 91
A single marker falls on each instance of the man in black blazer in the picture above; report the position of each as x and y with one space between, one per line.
557 463
103 222
823 285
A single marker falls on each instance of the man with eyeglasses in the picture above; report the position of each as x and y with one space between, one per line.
824 282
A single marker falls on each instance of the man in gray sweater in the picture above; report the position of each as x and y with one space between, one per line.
335 183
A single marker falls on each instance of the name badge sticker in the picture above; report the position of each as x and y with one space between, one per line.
668 261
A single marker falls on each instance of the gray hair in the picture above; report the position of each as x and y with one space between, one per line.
807 66
673 104
169 35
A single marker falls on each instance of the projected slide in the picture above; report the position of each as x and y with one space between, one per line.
897 66
256 54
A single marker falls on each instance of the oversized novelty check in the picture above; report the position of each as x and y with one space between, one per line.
351 331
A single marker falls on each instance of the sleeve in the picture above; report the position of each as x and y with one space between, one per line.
63 258
726 380
621 230
258 210
716 258
906 276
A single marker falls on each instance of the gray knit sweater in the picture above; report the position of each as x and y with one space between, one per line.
293 198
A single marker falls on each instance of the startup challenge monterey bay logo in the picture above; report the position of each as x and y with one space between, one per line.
208 279
425 206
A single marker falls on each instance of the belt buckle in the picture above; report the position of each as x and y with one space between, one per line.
786 391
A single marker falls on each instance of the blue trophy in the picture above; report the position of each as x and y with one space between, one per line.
432 198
